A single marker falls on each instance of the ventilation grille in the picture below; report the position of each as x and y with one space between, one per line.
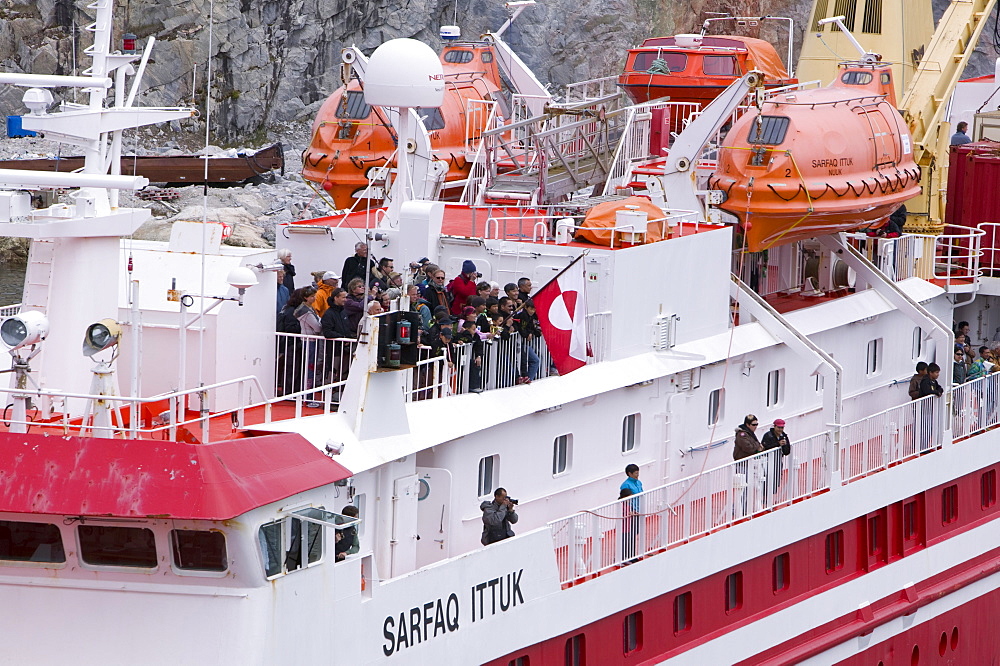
665 333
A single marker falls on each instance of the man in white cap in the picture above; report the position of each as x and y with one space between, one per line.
326 286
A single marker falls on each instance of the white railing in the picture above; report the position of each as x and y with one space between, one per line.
479 169
758 270
952 259
957 258
311 368
592 89
593 542
598 335
975 406
9 310
159 416
890 437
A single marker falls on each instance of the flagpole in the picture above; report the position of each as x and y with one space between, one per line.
557 276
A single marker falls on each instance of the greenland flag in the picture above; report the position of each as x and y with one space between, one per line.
562 314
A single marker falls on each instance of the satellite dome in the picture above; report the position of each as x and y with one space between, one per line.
404 72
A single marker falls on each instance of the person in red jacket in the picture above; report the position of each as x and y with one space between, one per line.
463 287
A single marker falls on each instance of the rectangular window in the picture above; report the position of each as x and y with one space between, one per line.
353 106
872 21
519 661
834 551
30 542
780 573
488 468
682 612
988 488
199 550
283 542
949 505
562 452
734 591
874 540
819 383
873 357
775 387
716 401
432 117
675 62
633 632
909 520
576 651
630 433
769 132
113 546
918 343
719 66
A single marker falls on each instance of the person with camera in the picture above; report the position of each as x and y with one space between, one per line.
463 287
498 516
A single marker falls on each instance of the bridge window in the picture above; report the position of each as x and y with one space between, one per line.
675 62
459 56
433 119
562 454
353 106
199 550
489 468
770 131
30 542
283 542
630 433
720 66
113 546
682 612
633 632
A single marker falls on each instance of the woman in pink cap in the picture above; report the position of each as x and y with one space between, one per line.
776 438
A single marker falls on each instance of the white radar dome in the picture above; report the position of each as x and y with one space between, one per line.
404 72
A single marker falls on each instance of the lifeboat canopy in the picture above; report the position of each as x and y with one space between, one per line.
807 163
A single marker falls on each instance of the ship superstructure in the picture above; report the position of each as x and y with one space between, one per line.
196 508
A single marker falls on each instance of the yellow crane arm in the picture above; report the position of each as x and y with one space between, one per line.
926 98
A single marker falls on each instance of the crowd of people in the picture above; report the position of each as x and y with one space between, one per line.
968 363
465 310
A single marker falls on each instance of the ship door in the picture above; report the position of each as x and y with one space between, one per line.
433 514
404 524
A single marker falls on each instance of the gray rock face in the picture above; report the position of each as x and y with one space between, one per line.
276 61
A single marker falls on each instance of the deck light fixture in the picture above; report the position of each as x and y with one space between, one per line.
23 330
100 336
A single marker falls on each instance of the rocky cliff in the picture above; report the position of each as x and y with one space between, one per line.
276 61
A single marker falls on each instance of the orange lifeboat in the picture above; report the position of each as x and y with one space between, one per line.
697 68
816 162
350 138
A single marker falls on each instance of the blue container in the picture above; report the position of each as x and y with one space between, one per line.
14 130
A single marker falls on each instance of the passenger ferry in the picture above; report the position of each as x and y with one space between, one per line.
164 501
